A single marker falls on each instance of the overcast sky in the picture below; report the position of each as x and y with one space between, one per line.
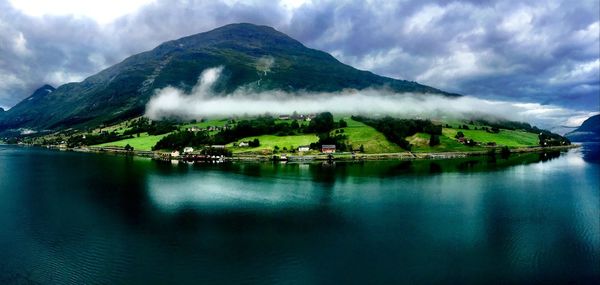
545 52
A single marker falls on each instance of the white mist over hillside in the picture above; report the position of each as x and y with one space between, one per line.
203 102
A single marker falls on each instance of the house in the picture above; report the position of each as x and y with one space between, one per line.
462 139
217 146
175 153
194 129
243 144
188 149
284 117
303 148
328 148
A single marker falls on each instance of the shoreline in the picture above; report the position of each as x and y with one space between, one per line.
308 158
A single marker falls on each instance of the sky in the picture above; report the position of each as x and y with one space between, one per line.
542 53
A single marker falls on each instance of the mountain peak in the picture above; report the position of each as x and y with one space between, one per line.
235 36
253 57
45 87
42 91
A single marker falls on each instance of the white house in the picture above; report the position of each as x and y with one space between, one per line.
175 153
244 144
303 148
188 149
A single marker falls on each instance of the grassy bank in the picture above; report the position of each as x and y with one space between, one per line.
143 142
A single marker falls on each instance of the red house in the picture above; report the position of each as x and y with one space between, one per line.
328 148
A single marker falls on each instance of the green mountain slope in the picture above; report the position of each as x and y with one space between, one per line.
589 131
257 57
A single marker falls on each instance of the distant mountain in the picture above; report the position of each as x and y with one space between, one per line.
589 131
257 57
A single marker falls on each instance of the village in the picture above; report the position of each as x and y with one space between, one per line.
299 137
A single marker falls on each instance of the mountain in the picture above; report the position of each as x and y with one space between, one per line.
589 131
257 57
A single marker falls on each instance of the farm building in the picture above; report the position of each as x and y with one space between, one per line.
328 148
303 148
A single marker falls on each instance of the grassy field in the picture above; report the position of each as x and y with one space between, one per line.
118 128
143 142
214 123
508 138
420 142
372 140
268 142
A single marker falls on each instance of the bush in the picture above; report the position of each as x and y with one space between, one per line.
254 143
434 140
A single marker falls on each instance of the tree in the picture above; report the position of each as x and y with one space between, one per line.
361 148
128 147
322 123
459 135
295 125
343 123
254 143
434 140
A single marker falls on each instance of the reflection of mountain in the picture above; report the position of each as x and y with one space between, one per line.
589 131
591 152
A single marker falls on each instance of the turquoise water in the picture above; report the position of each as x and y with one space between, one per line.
72 218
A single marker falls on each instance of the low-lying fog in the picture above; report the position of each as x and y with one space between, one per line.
202 102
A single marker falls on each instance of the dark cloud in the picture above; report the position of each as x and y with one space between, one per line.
535 51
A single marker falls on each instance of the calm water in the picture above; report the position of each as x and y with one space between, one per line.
89 219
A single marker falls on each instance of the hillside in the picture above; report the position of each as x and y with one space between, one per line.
257 57
589 131
357 134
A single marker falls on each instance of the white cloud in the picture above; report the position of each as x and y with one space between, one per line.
8 81
102 11
20 45
62 76
578 73
203 102
423 20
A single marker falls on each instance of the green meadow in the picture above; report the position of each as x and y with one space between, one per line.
357 134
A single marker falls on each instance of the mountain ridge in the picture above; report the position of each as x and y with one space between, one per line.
257 57
589 131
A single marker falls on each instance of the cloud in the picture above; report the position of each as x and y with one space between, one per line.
202 102
535 51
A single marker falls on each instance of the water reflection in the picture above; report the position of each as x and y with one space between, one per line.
529 218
